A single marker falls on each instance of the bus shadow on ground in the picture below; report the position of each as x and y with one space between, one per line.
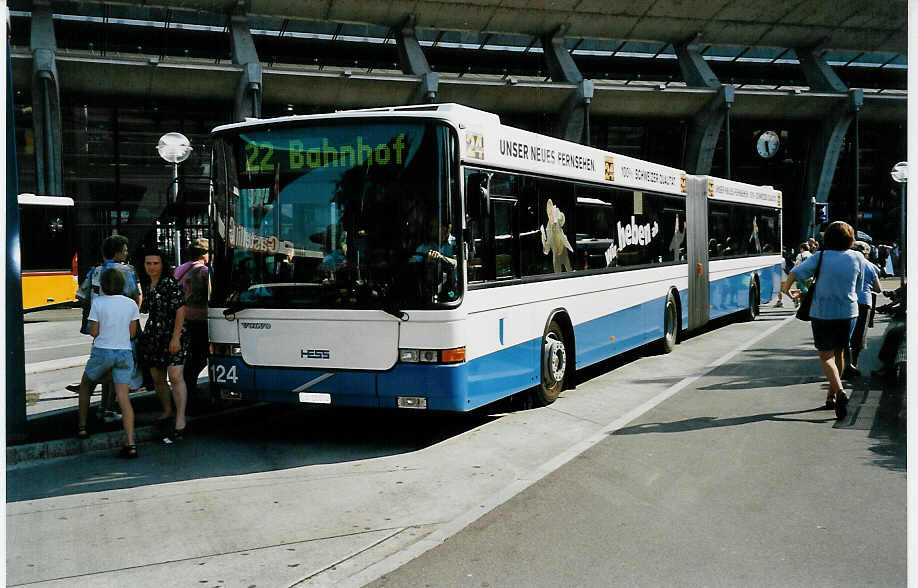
708 422
261 438
653 348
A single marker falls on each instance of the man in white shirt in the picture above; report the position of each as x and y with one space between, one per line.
113 322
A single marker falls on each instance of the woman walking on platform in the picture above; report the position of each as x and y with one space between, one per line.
834 308
163 345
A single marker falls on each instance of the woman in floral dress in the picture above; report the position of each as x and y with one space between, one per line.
163 344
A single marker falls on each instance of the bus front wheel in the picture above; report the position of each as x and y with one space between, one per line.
554 365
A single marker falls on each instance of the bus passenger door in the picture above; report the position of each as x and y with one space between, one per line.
697 250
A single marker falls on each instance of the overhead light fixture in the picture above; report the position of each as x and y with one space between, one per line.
174 147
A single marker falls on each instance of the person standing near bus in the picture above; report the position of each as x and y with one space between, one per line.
163 344
803 255
194 278
834 307
113 322
114 255
864 299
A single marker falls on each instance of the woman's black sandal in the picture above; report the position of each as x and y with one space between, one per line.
82 433
128 452
178 434
841 405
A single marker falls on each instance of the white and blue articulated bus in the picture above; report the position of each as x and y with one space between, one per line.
430 257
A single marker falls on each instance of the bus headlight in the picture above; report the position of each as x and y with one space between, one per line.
226 349
455 355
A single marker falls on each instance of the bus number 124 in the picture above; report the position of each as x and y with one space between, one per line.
223 374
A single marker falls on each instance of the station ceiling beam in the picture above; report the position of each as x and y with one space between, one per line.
843 24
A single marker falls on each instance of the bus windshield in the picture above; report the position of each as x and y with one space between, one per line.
336 216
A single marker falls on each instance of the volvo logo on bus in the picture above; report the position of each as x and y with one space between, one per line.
315 354
256 325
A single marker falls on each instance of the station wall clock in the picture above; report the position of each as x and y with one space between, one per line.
767 144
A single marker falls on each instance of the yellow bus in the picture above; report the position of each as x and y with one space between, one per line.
48 254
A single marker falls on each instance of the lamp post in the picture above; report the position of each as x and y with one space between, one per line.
899 175
175 148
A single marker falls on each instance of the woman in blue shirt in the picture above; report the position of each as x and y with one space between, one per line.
834 309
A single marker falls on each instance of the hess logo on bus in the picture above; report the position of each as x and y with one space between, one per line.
315 354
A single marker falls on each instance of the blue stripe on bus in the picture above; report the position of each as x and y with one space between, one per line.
616 333
731 294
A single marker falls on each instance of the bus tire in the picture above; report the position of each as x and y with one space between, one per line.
670 324
753 310
553 363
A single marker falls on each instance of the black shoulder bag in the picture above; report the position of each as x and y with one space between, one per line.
87 304
803 311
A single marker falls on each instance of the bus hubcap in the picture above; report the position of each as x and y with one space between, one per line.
555 359
670 321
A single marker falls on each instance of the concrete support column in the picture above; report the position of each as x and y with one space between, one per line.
414 62
708 121
574 118
704 131
826 146
248 90
46 107
830 135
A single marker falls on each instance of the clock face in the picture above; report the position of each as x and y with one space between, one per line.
767 144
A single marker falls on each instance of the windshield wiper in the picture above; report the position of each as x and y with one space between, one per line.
383 293
234 307
389 308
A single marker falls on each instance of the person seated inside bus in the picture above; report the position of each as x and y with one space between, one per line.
432 249
729 248
713 248
439 246
755 245
676 245
283 267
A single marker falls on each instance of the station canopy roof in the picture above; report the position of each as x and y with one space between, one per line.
750 44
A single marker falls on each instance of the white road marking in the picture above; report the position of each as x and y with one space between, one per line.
56 364
58 346
452 527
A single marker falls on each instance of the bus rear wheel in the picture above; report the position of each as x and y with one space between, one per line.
753 310
553 366
670 324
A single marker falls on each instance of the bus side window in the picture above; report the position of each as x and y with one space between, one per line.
505 246
595 222
476 195
533 261
718 231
